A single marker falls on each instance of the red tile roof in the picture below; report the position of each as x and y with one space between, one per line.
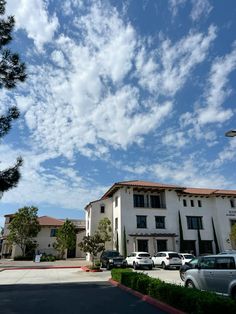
49 221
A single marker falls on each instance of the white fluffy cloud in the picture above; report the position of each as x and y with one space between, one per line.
32 16
200 9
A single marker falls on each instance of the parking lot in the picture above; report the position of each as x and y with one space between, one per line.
41 276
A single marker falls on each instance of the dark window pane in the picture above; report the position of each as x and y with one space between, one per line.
102 209
155 201
141 222
192 203
225 263
53 232
194 222
184 202
138 200
160 222
199 203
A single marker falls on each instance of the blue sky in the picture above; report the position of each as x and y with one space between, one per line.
120 90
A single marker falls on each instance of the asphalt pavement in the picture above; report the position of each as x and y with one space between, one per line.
71 298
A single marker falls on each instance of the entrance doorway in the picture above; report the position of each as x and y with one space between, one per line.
142 245
189 247
161 245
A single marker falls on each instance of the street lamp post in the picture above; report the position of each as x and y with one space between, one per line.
230 133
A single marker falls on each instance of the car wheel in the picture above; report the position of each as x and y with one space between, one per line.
190 284
233 294
150 267
135 266
163 265
182 275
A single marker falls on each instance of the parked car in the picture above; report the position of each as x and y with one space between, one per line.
110 259
186 257
167 259
215 273
227 252
186 266
139 260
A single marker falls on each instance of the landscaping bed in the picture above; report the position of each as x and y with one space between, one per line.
188 300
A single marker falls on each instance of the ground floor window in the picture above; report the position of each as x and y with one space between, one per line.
189 247
142 245
206 247
161 245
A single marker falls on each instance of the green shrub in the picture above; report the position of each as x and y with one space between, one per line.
47 258
97 263
188 300
116 273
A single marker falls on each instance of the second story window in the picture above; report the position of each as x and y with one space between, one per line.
160 222
53 232
116 223
102 209
184 202
141 221
194 222
116 201
232 203
192 203
155 201
199 203
138 200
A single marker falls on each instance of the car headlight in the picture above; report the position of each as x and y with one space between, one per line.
110 261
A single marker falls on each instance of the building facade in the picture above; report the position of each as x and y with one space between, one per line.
45 238
156 217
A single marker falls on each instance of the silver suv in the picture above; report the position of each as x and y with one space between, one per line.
215 273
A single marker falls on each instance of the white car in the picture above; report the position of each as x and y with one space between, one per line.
186 257
139 259
167 259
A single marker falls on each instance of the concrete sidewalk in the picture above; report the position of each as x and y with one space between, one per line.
11 264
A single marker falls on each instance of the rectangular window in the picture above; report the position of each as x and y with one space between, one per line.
192 203
53 232
116 201
116 223
102 209
138 200
232 203
199 203
141 221
160 222
225 263
155 201
184 202
194 222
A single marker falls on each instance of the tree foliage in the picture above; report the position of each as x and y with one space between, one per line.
93 245
65 238
104 230
12 71
233 235
24 227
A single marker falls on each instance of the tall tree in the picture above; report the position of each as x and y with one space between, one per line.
215 237
104 230
233 235
93 245
12 71
124 244
181 237
65 238
23 228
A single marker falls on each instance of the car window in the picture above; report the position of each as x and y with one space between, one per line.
171 255
194 261
113 254
207 263
188 256
225 263
144 255
158 255
163 254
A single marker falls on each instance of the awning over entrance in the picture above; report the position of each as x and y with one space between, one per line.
157 235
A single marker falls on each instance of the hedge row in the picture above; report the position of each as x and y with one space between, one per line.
188 300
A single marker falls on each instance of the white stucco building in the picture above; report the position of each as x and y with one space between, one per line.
149 213
45 238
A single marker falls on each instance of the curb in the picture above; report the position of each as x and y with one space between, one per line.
38 267
158 304
86 269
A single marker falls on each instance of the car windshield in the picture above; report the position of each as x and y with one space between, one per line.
171 255
189 256
194 261
144 255
113 254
